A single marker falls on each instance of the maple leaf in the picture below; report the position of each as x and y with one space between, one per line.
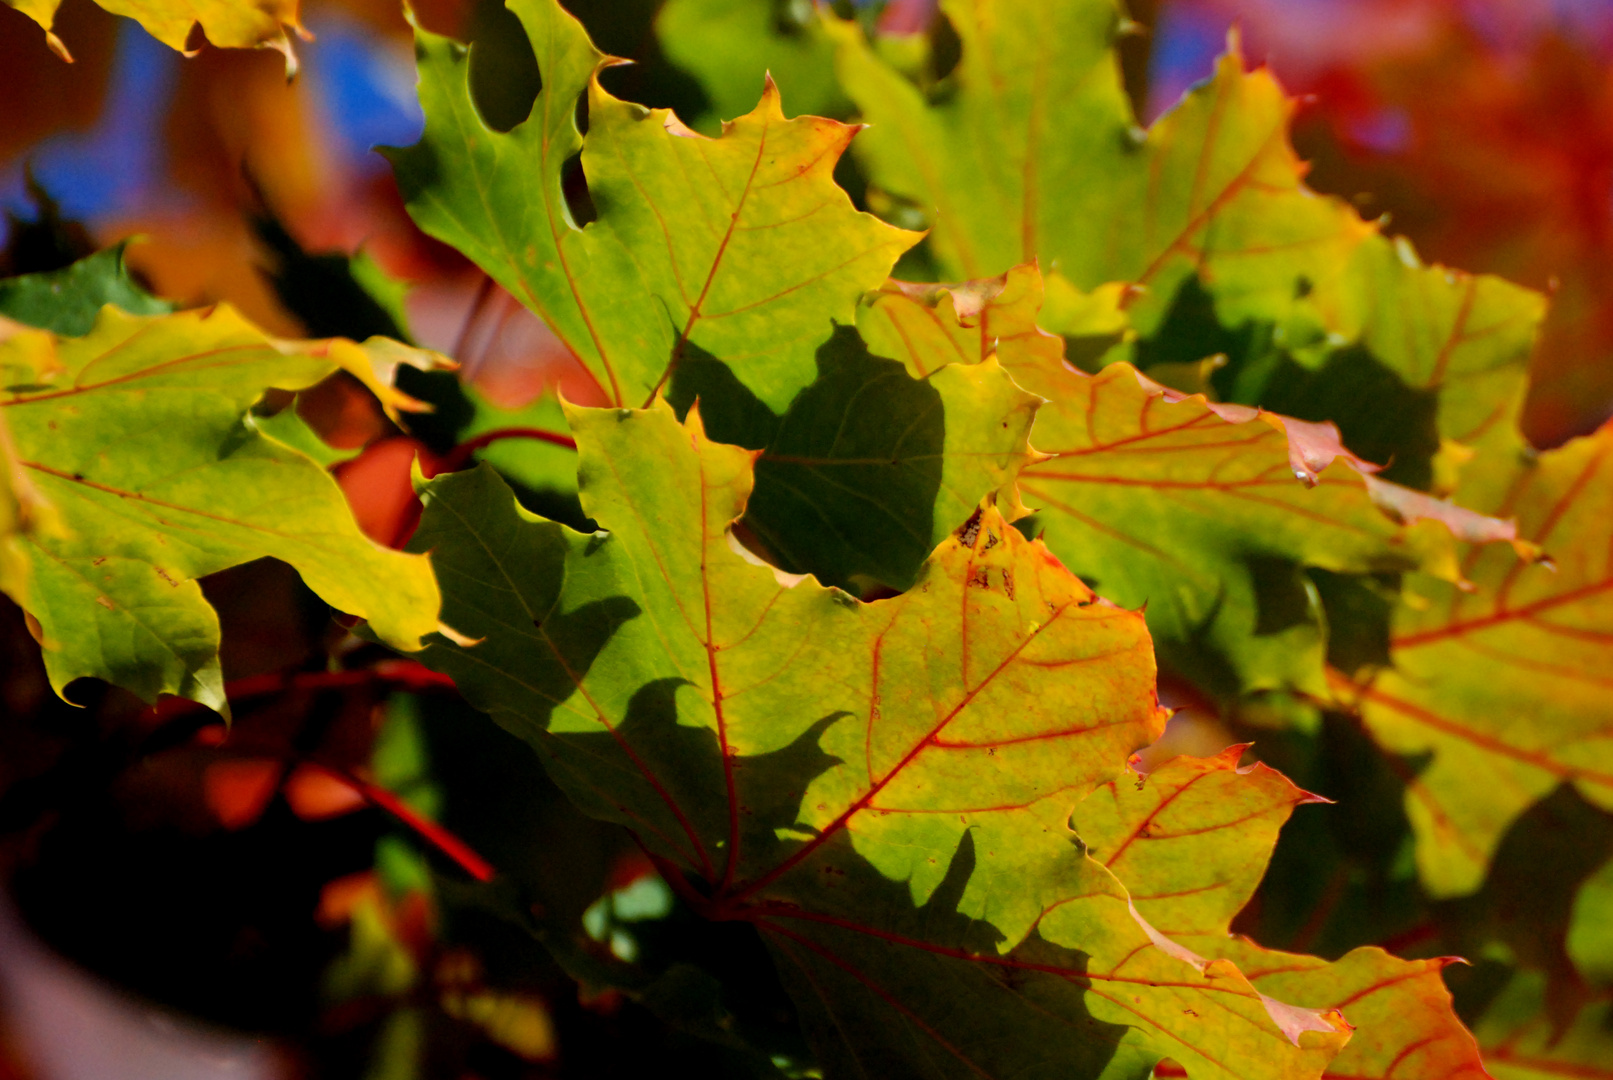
881 788
1207 513
537 464
1190 841
1033 153
68 300
740 247
1457 346
730 45
228 24
23 513
870 467
1499 141
138 434
1506 685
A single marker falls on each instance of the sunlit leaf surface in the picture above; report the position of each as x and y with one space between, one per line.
1191 840
741 248
882 789
138 434
230 24
1207 513
1507 685
1029 150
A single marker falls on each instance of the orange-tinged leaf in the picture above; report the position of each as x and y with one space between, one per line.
1207 513
1160 836
237 790
230 24
1405 1028
1033 153
882 788
1190 841
1506 685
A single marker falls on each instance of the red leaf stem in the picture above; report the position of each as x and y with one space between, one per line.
431 832
460 456
407 675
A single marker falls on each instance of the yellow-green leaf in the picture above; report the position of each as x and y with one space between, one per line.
1031 151
1190 841
731 45
882 788
229 24
870 467
740 248
1206 513
1506 685
139 436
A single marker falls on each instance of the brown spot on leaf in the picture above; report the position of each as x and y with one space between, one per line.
106 603
970 530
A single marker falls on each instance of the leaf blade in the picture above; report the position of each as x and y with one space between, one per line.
137 433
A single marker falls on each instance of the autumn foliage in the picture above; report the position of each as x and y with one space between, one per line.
963 584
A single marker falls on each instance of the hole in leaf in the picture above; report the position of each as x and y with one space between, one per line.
504 76
574 186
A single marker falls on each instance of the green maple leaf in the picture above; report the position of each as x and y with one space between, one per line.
740 247
1191 840
727 269
1032 152
729 46
68 300
870 467
882 788
1504 684
1208 514
139 436
1437 357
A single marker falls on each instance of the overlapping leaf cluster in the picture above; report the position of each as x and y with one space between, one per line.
135 465
763 737
869 628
